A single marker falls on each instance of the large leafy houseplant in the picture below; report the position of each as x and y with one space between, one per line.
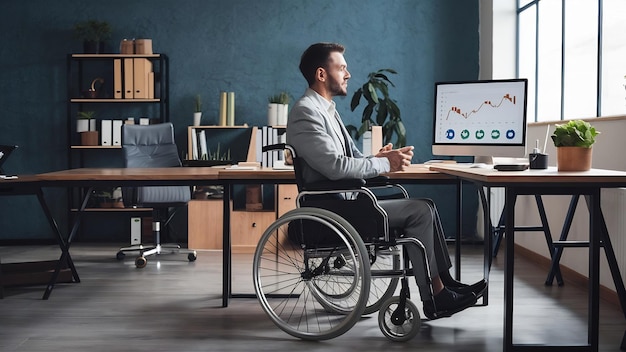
380 110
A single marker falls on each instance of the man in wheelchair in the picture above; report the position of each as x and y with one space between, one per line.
327 153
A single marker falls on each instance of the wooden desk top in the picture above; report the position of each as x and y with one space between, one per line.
130 174
549 176
418 172
258 174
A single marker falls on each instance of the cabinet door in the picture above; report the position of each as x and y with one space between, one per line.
286 198
246 228
205 224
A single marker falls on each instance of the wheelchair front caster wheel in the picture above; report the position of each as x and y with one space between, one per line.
141 262
192 257
399 330
120 255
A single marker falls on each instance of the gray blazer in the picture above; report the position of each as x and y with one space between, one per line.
319 142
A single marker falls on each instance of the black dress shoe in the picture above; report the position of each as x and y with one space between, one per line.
447 302
477 288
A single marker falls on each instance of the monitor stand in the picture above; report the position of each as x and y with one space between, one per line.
483 159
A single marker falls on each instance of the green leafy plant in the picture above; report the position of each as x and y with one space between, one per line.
380 110
574 133
280 98
86 115
217 155
198 103
93 30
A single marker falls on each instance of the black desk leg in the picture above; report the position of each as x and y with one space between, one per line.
226 248
64 245
509 229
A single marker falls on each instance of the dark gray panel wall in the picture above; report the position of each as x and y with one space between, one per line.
250 47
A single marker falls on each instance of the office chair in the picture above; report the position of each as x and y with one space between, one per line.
146 146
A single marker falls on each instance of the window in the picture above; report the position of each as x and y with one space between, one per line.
574 55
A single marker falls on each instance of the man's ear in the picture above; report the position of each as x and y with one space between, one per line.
320 74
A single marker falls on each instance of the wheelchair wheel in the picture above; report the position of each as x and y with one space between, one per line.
382 288
311 274
397 325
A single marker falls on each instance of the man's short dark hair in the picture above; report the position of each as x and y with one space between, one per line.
316 56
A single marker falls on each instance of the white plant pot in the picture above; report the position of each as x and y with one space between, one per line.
82 125
92 125
197 118
277 114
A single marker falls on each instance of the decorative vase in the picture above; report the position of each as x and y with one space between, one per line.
197 117
573 158
89 138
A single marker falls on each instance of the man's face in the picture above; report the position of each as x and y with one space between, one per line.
338 75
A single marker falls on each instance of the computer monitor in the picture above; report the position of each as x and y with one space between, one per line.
480 118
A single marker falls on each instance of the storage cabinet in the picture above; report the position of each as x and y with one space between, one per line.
205 221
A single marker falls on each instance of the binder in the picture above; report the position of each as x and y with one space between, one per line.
106 132
141 69
117 79
117 132
128 78
204 152
151 85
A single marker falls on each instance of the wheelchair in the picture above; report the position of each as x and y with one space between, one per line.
322 266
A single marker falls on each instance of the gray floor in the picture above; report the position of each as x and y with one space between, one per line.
173 305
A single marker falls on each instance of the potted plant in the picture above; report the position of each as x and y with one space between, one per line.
573 141
278 109
197 115
86 126
93 33
375 91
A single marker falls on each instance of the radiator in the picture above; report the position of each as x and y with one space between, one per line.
613 203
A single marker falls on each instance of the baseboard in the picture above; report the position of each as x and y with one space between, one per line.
571 277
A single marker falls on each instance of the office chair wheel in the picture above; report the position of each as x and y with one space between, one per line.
120 255
382 288
192 257
397 325
311 274
141 262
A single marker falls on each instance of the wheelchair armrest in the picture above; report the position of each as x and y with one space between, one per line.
334 185
377 181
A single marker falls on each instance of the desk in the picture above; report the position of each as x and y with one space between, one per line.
30 185
552 182
92 177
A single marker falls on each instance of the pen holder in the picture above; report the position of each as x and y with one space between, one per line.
538 160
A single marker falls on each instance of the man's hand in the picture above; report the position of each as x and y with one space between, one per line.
399 159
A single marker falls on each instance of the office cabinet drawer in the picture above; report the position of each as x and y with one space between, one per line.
246 227
286 198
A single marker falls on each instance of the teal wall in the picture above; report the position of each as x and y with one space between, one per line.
250 47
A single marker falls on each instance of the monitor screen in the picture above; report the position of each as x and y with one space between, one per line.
480 118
